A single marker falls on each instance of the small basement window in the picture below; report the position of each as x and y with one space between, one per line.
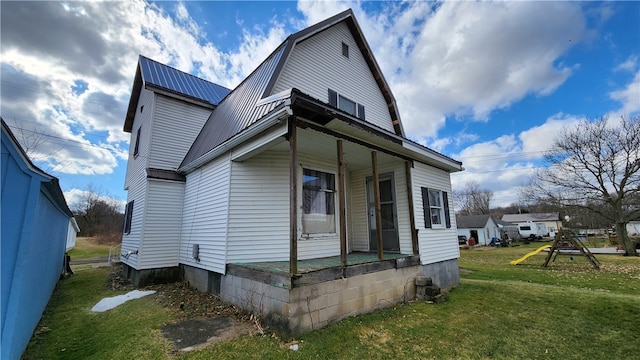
345 50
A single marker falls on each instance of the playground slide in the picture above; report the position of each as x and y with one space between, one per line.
518 261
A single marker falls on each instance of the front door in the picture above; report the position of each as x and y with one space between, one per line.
388 214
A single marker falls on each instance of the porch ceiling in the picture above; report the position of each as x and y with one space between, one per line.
323 146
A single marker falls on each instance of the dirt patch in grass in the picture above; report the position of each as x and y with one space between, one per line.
193 334
201 318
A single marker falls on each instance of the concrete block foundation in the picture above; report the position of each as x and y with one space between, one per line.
311 302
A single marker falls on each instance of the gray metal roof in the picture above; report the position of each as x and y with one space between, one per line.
472 221
238 110
155 75
533 217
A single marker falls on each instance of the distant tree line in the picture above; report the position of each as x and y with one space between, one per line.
98 216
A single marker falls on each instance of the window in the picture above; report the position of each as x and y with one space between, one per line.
128 215
346 105
318 202
436 208
345 50
527 228
136 148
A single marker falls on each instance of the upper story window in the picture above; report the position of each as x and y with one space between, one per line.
436 208
136 148
345 50
318 202
345 104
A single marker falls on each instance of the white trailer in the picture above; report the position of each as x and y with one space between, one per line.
532 230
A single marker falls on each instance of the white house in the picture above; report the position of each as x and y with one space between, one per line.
295 195
482 228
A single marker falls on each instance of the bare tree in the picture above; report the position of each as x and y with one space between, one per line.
36 143
98 215
472 200
595 166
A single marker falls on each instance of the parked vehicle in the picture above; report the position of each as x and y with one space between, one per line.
462 240
532 230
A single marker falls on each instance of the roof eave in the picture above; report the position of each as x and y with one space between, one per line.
402 144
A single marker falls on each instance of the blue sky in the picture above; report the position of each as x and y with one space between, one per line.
489 83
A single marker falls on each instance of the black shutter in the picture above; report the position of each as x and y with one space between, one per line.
361 111
447 217
333 98
426 207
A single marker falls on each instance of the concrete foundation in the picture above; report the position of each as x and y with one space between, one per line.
151 276
308 303
311 307
445 274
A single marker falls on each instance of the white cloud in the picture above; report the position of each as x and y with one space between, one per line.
98 43
538 139
628 65
629 97
465 58
508 161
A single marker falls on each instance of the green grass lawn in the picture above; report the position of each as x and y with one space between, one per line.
499 311
85 248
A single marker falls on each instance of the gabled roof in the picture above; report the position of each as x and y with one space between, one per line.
173 82
252 99
533 217
503 223
50 183
472 221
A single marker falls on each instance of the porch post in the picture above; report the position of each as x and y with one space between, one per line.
376 195
412 220
341 206
293 197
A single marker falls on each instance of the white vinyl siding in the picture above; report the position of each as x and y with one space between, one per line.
136 177
259 209
438 244
163 215
317 64
205 216
176 124
136 165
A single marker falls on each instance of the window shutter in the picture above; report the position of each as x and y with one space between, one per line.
447 217
361 111
333 98
426 207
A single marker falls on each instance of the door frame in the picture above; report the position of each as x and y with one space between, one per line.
370 203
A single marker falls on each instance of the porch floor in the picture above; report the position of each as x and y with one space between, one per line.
307 266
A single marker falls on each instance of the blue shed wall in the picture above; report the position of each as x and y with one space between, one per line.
34 231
